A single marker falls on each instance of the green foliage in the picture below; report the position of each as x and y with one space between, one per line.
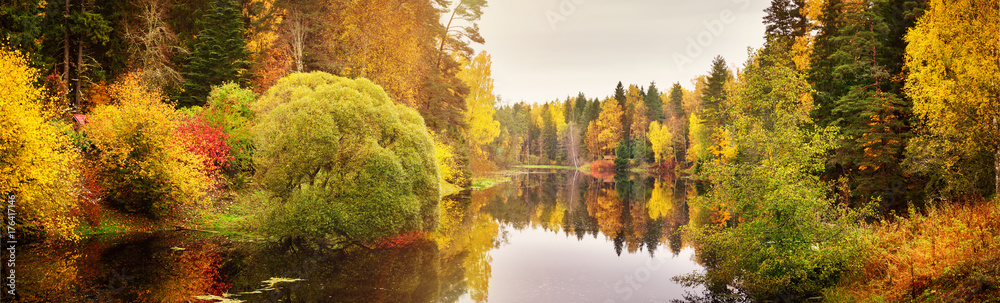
341 159
141 164
676 99
228 107
220 54
852 73
774 232
654 106
622 155
714 97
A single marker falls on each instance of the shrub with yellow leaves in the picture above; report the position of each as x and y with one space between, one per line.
141 164
37 162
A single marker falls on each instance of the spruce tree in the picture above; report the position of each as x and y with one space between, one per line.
220 54
654 106
713 98
620 93
677 99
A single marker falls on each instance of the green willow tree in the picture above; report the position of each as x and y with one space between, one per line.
341 159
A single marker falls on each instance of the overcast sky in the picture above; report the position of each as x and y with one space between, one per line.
544 50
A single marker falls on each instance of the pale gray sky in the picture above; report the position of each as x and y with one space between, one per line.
544 50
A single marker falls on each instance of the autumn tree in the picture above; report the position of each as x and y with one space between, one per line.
40 165
483 129
787 27
637 132
953 80
142 165
609 126
662 141
153 44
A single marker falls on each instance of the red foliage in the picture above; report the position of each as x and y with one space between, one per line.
89 200
207 141
401 240
602 169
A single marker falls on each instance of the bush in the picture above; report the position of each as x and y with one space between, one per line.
37 160
142 165
342 159
229 109
207 142
775 234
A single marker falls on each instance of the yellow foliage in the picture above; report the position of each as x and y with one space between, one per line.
609 126
141 163
954 71
604 206
722 148
39 163
699 140
446 163
661 139
661 202
483 129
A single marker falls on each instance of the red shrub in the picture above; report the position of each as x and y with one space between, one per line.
206 141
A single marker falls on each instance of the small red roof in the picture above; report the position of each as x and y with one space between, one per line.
81 119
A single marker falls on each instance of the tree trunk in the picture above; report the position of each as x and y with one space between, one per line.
79 75
65 75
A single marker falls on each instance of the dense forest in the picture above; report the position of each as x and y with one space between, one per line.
852 117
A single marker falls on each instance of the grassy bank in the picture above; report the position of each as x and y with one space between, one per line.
948 253
480 183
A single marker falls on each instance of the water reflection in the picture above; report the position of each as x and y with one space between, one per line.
544 237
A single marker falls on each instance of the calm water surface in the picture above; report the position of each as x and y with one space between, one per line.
548 236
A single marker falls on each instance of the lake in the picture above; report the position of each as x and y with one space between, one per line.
546 236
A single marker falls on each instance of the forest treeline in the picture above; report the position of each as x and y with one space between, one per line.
911 104
154 106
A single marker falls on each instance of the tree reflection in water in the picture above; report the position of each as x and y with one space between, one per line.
633 214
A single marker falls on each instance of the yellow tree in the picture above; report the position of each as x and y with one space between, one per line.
483 129
662 140
953 55
38 160
640 120
609 126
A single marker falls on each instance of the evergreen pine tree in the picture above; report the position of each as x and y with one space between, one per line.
220 54
654 106
676 99
620 93
713 98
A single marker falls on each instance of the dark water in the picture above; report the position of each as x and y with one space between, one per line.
546 237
